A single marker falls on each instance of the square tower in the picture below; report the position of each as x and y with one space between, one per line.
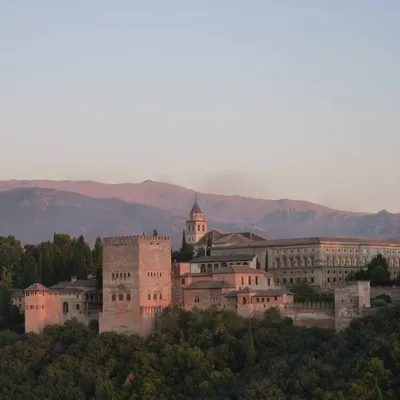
136 282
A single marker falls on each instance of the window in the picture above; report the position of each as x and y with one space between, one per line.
256 280
242 280
113 297
129 274
120 297
112 275
149 296
160 296
276 298
124 275
183 281
269 281
263 299
196 299
31 307
249 280
128 297
77 306
203 228
154 296
65 307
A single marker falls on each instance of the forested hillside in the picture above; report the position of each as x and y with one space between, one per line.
206 355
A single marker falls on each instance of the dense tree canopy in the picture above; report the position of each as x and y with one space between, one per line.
206 355
377 272
49 262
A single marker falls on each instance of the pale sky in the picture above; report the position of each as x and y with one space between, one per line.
263 98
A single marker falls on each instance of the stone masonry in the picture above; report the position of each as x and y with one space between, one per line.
136 282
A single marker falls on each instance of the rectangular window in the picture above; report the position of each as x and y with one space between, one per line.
183 281
149 296
160 296
113 297
120 297
196 299
269 281
77 306
128 297
256 280
242 280
250 280
154 296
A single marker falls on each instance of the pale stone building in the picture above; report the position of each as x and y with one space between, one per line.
136 282
197 234
196 225
322 262
64 301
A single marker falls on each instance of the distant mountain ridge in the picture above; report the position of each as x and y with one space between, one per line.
34 210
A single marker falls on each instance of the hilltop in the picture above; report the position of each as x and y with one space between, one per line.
34 210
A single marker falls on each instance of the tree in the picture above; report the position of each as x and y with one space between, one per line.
155 233
209 245
249 349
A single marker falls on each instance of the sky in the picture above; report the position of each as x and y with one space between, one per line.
261 98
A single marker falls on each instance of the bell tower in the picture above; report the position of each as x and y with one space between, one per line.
196 225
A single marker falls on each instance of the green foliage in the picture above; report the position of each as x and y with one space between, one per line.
186 252
206 355
376 271
49 262
304 293
385 297
379 303
155 233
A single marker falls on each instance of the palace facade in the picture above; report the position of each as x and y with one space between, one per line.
241 272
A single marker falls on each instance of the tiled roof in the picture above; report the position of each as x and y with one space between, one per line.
239 269
272 292
218 237
223 258
36 287
197 274
81 283
258 293
312 241
196 209
208 285
66 290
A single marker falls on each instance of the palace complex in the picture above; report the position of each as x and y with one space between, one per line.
241 272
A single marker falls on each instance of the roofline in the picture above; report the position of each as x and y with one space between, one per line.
310 241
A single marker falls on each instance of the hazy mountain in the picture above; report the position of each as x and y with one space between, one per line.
34 214
34 210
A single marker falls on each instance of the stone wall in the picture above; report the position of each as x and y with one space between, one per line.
136 282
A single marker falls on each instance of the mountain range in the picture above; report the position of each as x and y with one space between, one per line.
33 210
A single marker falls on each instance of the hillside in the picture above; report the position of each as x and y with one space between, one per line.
94 209
175 199
34 214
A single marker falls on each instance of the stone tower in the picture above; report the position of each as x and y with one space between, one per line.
196 225
136 283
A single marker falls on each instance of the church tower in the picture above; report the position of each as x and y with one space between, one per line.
196 225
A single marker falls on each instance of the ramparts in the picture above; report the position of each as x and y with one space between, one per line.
123 240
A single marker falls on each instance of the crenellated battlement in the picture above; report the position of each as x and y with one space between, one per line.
123 240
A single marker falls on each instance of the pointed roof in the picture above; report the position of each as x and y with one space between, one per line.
37 287
196 209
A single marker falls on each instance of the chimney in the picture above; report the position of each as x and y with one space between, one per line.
73 278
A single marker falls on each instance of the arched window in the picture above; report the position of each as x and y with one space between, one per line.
209 268
203 268
65 307
203 228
